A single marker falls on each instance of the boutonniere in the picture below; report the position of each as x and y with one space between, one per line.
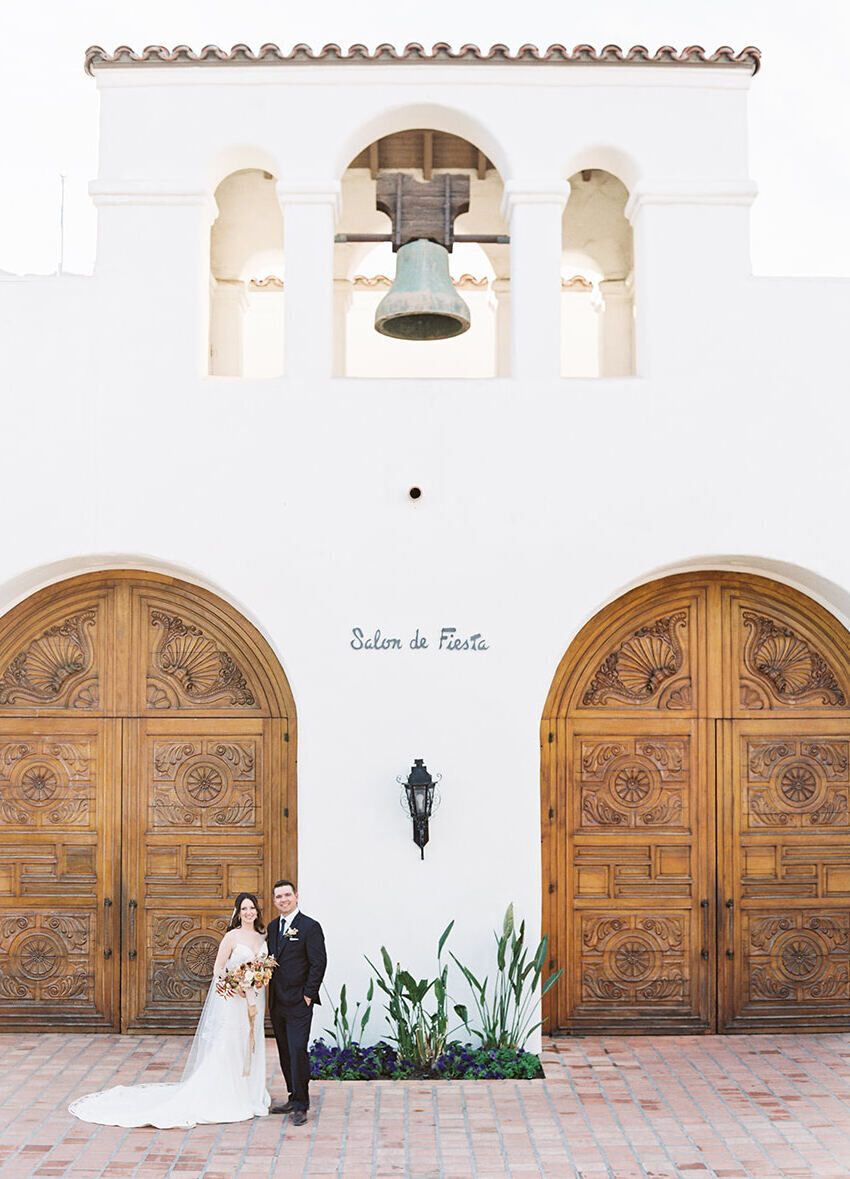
291 932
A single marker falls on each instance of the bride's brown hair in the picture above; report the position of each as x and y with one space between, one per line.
236 920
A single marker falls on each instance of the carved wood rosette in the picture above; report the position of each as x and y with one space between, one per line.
182 955
635 783
798 958
639 959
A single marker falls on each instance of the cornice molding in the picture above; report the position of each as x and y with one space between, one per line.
147 192
719 192
533 192
310 192
442 53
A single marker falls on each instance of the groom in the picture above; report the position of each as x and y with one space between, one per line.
298 945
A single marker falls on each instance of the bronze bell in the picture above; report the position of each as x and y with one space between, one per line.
422 304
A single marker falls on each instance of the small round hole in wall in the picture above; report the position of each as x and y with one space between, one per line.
415 492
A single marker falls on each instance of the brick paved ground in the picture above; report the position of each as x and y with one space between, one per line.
730 1106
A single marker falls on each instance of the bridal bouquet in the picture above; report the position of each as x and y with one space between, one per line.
246 980
252 975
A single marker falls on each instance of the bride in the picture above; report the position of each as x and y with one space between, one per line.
223 1080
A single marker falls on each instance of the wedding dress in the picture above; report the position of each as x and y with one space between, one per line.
213 1088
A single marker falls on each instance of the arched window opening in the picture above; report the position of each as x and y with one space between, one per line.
597 264
364 271
246 278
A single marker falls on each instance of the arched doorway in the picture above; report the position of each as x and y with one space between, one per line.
696 830
147 775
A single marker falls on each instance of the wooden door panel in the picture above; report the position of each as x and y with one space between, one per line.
786 856
60 780
202 824
57 656
186 658
782 660
639 851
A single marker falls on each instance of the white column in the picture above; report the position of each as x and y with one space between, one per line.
533 212
309 214
229 303
691 250
153 257
343 297
616 328
501 291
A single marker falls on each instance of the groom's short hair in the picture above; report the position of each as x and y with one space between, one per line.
282 884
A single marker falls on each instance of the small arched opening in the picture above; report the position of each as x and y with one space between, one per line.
246 277
597 264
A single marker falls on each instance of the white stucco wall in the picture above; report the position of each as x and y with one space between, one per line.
542 498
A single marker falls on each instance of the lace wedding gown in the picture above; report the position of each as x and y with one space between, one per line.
213 1088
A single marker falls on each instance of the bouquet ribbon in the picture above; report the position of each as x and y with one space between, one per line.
252 1043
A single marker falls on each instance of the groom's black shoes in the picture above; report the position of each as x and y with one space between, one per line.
299 1117
286 1107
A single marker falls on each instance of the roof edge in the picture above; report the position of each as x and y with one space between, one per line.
441 53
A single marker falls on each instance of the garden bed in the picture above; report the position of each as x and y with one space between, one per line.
381 1061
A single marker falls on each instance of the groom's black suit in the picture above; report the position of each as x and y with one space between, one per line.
301 961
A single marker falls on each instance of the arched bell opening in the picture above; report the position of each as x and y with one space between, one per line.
147 775
365 271
696 813
597 264
246 277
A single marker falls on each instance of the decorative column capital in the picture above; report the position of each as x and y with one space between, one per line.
533 192
679 192
311 192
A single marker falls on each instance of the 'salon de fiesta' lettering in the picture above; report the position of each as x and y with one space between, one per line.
448 640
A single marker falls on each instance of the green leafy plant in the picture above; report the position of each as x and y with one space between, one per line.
505 1014
420 1035
349 1031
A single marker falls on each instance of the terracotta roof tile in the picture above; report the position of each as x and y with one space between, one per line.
441 53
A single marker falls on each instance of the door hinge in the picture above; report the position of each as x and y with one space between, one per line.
286 812
551 888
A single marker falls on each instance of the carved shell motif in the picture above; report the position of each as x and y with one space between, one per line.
191 664
639 666
792 670
58 658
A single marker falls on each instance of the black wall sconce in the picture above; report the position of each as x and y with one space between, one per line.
420 798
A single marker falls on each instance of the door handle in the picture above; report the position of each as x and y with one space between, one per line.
132 932
107 928
730 906
704 951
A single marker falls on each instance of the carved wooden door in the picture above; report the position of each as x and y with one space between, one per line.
786 910
146 761
203 831
59 874
638 873
783 787
696 768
